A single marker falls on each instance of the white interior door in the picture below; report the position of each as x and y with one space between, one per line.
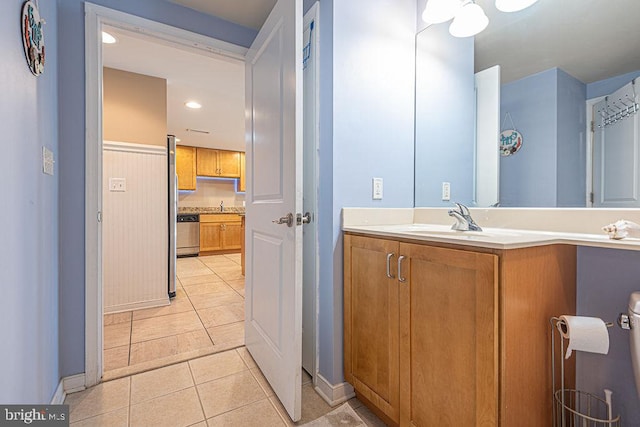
616 150
487 148
273 293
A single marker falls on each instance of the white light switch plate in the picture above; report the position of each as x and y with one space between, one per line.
377 189
117 184
47 161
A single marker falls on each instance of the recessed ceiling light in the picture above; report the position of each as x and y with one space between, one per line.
193 104
108 38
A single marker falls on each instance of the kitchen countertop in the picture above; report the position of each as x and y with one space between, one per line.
211 210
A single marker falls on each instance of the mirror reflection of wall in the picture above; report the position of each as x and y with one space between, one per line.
557 59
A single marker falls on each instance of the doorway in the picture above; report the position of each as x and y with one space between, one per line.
97 17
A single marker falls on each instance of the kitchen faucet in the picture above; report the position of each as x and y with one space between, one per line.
464 222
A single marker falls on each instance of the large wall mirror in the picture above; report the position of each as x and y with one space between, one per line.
562 64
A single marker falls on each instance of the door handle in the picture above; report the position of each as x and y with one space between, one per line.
288 219
389 256
400 278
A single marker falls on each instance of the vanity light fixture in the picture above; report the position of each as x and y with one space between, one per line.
513 5
193 104
108 38
469 20
438 11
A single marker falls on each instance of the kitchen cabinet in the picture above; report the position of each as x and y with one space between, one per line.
242 244
440 334
242 183
220 232
217 163
186 167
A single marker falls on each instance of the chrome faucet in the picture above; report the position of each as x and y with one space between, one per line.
464 222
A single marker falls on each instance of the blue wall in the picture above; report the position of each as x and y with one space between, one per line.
606 278
605 87
445 126
369 126
29 249
548 109
72 153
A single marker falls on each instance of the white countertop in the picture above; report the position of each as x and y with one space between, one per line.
397 223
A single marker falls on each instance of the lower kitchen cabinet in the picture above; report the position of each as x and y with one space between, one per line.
454 335
220 232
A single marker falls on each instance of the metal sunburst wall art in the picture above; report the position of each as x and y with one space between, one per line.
33 37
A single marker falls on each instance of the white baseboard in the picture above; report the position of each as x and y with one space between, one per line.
333 394
67 385
164 301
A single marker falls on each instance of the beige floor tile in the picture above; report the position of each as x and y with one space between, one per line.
234 257
207 288
113 318
117 335
179 409
188 267
258 414
264 384
118 418
196 280
222 315
282 412
115 357
100 399
226 267
177 306
228 393
216 366
231 275
169 346
369 418
214 299
164 326
159 382
227 336
306 378
246 356
354 403
313 406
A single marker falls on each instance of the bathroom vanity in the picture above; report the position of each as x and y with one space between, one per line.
441 334
452 328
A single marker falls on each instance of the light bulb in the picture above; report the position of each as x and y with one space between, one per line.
193 104
108 38
469 21
513 5
438 11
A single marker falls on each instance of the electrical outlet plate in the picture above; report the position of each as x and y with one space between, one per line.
117 184
446 191
377 189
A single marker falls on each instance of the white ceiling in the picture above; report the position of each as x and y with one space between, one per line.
214 81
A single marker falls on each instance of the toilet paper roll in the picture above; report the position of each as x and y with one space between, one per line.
585 334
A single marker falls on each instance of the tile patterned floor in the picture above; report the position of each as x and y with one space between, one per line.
222 389
205 317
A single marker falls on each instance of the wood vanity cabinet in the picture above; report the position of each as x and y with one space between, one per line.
220 232
458 335
242 182
218 163
186 167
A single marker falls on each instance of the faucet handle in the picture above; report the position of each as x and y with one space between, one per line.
462 209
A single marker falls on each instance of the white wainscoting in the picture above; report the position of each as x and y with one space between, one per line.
135 227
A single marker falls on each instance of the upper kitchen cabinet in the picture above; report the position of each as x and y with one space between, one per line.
186 167
218 163
242 184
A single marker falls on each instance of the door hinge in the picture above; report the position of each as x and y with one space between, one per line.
593 126
591 197
99 216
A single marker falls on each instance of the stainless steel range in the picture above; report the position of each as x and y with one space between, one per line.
188 239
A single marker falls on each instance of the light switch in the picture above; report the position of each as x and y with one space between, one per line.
377 188
47 161
117 184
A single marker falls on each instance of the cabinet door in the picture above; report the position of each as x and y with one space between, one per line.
242 184
207 162
449 329
210 236
232 235
371 317
229 164
186 167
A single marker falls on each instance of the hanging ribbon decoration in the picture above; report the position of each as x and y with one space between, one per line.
510 139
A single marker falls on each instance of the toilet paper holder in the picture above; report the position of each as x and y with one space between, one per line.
574 407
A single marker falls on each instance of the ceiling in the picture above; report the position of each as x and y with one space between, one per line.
214 81
248 13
